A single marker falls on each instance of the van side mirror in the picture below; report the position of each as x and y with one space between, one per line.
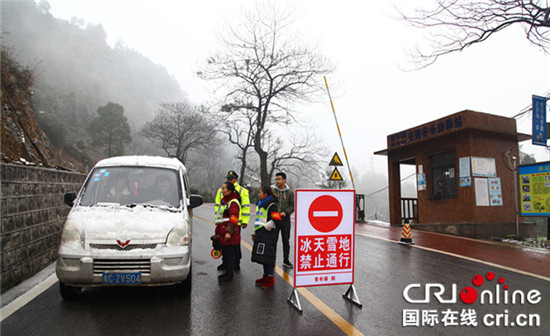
194 201
69 198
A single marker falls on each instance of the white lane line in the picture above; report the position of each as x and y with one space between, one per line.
25 298
485 262
463 257
22 300
325 213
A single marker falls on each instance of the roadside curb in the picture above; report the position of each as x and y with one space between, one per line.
500 242
13 293
520 259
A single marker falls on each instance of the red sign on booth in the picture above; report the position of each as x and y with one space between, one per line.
325 237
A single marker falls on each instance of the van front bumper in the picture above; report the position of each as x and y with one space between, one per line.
155 269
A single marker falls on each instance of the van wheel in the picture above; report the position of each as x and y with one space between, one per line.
68 292
185 287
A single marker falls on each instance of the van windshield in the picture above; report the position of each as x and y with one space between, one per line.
131 186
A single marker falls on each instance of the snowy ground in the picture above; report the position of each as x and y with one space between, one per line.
530 242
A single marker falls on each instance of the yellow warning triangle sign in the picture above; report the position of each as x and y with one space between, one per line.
335 161
336 175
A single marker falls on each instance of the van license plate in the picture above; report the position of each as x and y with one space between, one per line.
122 278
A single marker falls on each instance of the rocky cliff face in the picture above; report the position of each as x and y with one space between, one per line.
22 140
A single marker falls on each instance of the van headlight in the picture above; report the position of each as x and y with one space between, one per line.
71 234
177 237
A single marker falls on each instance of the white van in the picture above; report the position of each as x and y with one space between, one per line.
130 225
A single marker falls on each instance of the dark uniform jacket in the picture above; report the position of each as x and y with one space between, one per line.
265 242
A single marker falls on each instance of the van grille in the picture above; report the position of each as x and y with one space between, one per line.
118 248
122 265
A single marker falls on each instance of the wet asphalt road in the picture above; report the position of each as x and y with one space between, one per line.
382 270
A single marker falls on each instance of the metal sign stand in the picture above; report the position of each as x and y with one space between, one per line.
351 295
294 300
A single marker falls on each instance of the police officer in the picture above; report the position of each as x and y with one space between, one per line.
244 217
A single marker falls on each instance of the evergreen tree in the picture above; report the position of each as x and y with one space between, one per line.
110 129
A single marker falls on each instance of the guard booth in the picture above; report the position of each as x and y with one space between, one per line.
464 175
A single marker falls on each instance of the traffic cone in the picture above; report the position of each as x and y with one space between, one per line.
406 234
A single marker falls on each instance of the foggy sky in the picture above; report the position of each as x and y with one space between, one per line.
372 94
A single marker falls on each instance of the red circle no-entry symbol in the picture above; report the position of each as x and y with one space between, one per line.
325 213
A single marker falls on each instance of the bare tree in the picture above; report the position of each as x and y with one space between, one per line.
180 128
457 24
260 64
239 127
304 154
208 173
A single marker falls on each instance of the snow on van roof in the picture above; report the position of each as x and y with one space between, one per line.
141 160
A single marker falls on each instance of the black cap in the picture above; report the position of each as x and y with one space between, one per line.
232 175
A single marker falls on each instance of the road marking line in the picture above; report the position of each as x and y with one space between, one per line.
247 245
463 257
22 300
325 213
338 320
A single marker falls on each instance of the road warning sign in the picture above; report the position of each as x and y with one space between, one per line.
336 175
335 161
325 213
324 237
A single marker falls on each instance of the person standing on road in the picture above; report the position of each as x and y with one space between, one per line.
228 230
244 215
285 198
266 231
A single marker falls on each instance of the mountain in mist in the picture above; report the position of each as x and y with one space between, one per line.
77 71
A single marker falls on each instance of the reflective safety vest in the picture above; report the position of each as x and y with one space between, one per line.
261 216
244 214
221 209
245 206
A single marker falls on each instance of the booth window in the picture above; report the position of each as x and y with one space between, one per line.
443 174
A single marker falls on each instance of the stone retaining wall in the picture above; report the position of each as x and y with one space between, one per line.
32 218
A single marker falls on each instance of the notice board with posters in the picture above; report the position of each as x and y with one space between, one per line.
324 237
483 167
534 189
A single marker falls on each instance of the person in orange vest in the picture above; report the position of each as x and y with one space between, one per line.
244 216
228 230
